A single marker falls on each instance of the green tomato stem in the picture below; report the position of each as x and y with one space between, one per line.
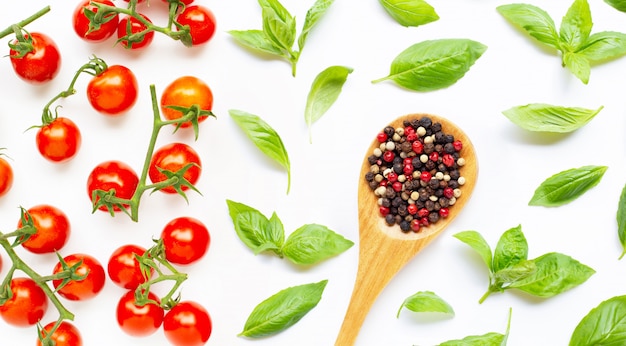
9 30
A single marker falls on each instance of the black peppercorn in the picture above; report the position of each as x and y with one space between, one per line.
425 122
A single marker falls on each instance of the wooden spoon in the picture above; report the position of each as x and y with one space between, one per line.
384 250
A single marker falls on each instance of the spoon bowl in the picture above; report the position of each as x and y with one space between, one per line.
384 249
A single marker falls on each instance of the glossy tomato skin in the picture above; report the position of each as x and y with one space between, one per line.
6 176
27 305
65 335
173 157
186 91
113 175
187 324
86 288
185 239
59 140
131 25
123 267
138 320
201 22
81 23
53 229
40 65
114 91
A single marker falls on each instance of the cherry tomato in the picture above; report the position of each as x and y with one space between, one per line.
186 91
113 175
138 320
53 229
123 267
201 22
81 22
84 289
41 64
113 91
173 157
6 176
185 239
187 324
27 305
65 335
59 140
130 26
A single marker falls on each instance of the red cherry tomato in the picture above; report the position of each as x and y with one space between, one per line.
186 91
123 267
41 64
81 22
84 289
113 91
59 140
113 175
130 26
6 176
27 305
187 324
201 22
65 335
53 229
138 320
185 239
172 157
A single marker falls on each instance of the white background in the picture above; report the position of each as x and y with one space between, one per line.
229 281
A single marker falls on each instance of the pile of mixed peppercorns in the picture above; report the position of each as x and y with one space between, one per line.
415 173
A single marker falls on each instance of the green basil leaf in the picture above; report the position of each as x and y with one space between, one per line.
579 65
311 244
265 138
313 15
478 243
410 12
603 46
434 64
426 301
324 92
535 21
567 185
603 325
276 231
283 309
516 272
619 5
255 39
511 249
621 221
555 274
254 229
575 26
278 24
489 339
543 117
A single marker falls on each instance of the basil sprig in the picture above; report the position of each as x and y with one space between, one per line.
509 267
265 138
541 117
566 186
489 339
410 12
426 301
283 309
434 64
279 30
324 92
603 325
577 46
307 245
619 5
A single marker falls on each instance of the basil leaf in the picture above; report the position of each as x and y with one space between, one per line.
567 185
283 309
556 273
621 221
489 339
603 46
324 92
516 272
576 26
313 243
278 24
619 5
603 325
426 301
255 39
410 12
535 21
511 249
434 64
254 229
313 15
264 137
543 117
478 243
578 65
276 231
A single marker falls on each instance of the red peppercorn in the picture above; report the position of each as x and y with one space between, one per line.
448 160
417 146
458 145
408 161
383 211
415 225
412 209
424 222
411 137
434 156
381 137
383 183
388 156
409 130
392 177
408 170
426 176
448 192
444 212
397 186
423 212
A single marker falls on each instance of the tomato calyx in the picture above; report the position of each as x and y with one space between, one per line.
98 19
191 114
23 45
